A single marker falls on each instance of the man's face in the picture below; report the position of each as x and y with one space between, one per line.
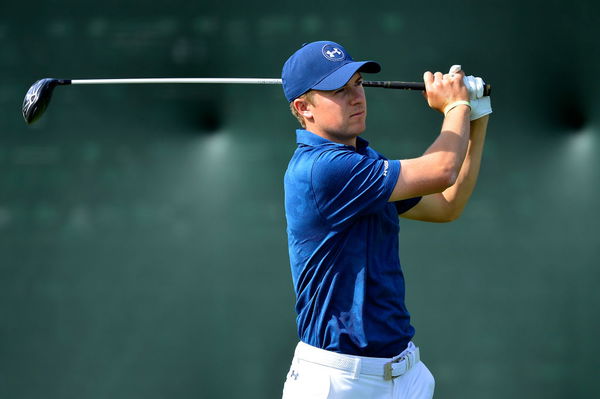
339 115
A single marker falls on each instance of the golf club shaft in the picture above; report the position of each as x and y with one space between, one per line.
173 80
383 84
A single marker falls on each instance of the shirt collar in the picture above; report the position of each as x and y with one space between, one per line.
308 138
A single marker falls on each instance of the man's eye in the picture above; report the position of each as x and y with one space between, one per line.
340 90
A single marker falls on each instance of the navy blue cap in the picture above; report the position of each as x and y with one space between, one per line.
321 65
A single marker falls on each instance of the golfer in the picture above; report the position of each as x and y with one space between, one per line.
342 201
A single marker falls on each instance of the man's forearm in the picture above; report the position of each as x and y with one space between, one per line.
458 195
450 148
438 168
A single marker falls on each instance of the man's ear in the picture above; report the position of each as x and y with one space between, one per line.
303 108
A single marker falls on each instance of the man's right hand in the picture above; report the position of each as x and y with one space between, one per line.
441 90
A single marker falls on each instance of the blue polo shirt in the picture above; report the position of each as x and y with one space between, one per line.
343 248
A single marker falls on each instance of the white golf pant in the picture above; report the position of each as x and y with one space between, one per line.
319 374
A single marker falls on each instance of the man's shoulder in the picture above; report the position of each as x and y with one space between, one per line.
371 153
305 156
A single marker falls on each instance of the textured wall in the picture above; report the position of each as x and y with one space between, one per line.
142 234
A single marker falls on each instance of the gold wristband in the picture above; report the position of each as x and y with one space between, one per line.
451 106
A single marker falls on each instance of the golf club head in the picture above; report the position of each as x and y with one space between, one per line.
37 98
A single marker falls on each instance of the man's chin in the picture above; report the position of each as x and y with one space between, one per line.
358 128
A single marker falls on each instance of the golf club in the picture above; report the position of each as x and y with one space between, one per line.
39 94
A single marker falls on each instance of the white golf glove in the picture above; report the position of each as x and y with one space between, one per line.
480 105
474 86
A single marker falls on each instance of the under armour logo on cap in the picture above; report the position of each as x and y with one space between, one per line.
333 53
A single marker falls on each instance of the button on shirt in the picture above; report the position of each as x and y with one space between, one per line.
343 248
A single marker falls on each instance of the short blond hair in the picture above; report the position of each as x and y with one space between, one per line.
308 98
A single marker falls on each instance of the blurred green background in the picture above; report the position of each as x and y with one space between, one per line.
142 234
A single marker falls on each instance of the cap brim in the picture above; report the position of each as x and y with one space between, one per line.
342 75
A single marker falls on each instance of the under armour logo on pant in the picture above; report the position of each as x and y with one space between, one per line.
294 375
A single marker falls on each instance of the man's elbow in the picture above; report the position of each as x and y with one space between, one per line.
446 178
447 171
449 212
450 216
444 217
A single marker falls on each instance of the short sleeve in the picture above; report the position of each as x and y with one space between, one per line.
347 184
406 204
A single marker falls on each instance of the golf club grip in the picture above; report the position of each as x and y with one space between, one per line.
487 89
